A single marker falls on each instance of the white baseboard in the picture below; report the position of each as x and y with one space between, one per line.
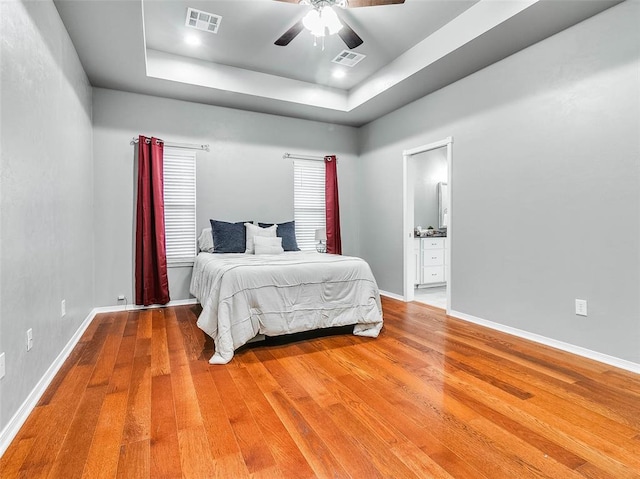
135 307
15 423
391 295
554 343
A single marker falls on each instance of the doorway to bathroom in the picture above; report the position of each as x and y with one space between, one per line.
427 223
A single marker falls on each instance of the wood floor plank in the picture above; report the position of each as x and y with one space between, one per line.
196 461
335 437
50 433
291 463
383 465
222 442
515 428
549 426
536 465
134 460
138 421
315 383
418 434
63 373
164 448
104 453
449 419
431 397
582 410
420 463
70 461
187 411
317 454
12 460
582 424
108 355
160 364
253 446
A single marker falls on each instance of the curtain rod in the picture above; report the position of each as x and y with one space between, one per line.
302 157
187 146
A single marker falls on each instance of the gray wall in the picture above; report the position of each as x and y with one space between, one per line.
546 144
428 169
46 241
243 177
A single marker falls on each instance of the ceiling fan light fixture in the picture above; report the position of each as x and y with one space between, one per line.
319 21
313 23
330 19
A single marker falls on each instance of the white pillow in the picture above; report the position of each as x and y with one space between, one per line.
254 231
268 245
205 241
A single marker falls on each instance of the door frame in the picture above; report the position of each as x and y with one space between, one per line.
407 223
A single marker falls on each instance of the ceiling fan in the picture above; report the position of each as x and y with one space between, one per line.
322 18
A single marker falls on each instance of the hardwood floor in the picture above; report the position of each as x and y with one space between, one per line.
432 397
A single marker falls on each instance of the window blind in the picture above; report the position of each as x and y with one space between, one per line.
308 201
180 204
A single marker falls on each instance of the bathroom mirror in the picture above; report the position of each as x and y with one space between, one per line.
443 205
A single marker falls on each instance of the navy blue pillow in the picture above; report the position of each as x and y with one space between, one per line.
286 231
229 237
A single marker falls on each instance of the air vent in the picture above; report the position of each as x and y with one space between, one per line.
348 59
204 21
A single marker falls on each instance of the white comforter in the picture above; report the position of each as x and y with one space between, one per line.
243 295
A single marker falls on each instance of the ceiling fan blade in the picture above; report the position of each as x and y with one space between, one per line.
369 3
290 34
349 37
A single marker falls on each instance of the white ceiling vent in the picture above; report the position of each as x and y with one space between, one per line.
204 21
348 59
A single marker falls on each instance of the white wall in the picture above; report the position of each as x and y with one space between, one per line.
546 143
46 223
243 177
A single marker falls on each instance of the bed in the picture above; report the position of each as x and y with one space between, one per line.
245 295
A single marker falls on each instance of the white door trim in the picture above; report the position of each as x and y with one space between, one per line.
407 223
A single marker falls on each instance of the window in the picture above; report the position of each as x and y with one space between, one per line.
180 205
308 201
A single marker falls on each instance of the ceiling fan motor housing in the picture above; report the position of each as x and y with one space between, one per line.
318 4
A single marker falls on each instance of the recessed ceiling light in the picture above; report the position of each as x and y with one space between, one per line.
192 40
339 74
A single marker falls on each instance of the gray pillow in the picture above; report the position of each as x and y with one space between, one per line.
205 241
228 237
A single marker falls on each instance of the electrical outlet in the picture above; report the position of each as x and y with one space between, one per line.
63 308
121 297
29 339
2 366
581 307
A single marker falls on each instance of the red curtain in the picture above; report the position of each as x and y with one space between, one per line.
334 240
152 282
